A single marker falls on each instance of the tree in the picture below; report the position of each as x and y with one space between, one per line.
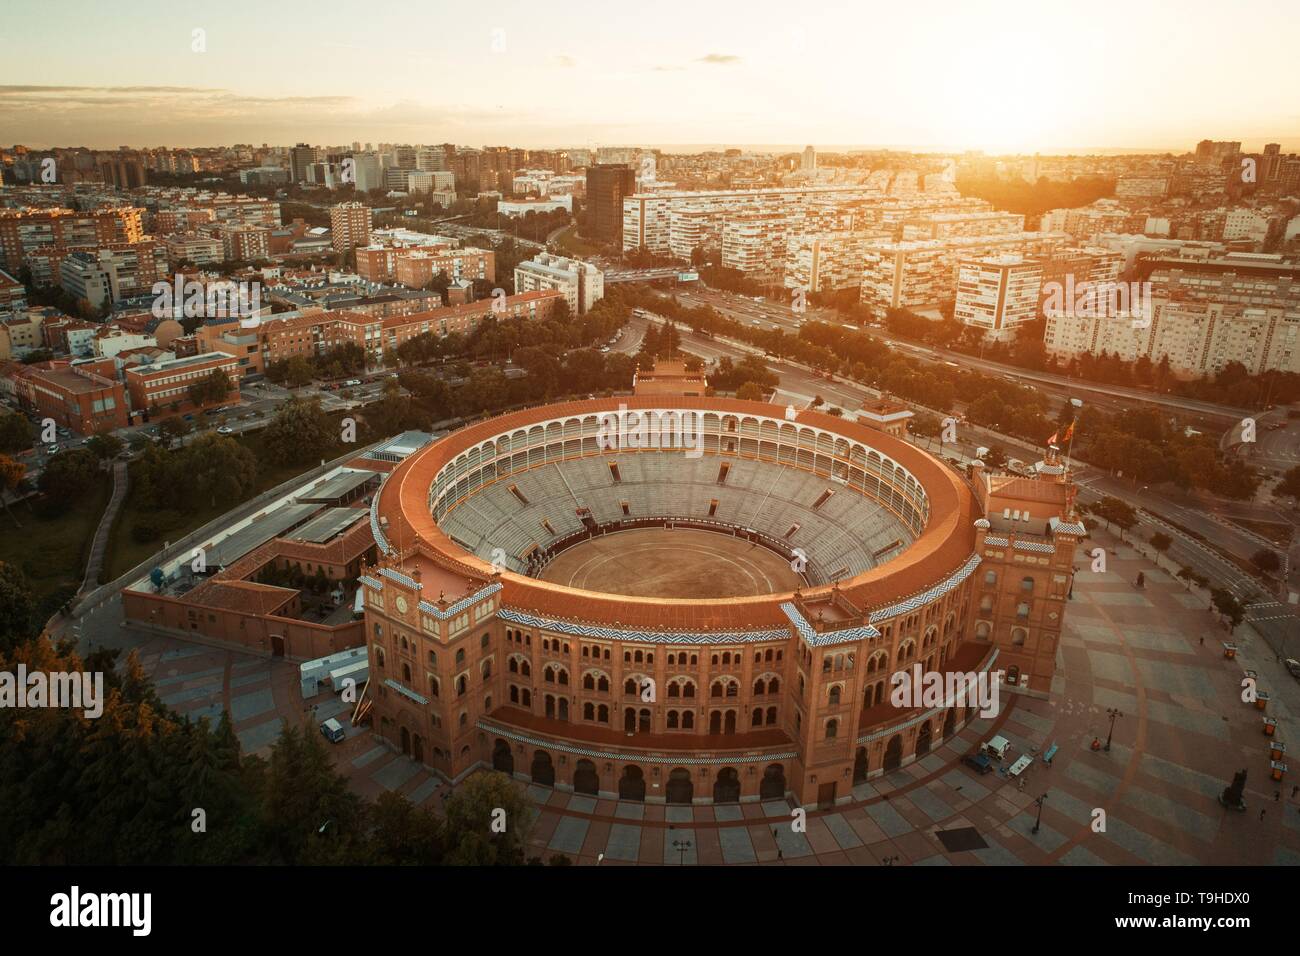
11 476
470 814
1290 483
18 613
1113 511
1226 604
173 428
301 432
1266 560
219 468
105 445
298 371
15 433
1161 542
211 388
69 474
750 392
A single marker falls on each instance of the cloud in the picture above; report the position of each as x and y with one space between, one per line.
719 59
563 60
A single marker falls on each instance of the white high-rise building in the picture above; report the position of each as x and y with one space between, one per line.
997 293
809 162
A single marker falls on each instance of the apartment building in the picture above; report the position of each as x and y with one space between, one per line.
1204 315
947 225
113 271
313 332
648 217
415 268
349 225
20 332
195 248
13 294
241 242
923 274
436 181
1088 222
997 293
582 284
827 261
83 398
755 244
25 230
163 388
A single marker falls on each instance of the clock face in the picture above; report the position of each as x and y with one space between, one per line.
401 605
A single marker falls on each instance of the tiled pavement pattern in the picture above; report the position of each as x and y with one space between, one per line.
1183 732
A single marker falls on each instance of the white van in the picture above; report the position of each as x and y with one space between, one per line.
997 747
333 731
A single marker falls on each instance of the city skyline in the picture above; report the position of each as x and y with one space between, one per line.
604 78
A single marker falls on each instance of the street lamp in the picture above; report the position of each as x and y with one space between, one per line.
681 846
1039 822
1113 712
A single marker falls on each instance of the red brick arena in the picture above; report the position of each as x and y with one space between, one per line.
715 618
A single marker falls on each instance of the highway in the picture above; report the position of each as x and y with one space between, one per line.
778 315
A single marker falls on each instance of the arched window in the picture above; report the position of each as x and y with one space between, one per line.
514 694
512 666
688 720
773 685
757 719
526 669
1026 583
460 657
462 685
629 686
672 720
603 684
674 690
832 728
588 682
835 695
406 673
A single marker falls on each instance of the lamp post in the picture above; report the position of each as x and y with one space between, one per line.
1039 822
681 846
1113 712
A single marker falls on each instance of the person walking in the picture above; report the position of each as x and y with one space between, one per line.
1261 816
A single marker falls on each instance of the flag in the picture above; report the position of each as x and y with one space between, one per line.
1052 440
1069 433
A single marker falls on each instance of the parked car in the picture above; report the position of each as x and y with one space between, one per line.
979 762
352 383
225 430
1293 666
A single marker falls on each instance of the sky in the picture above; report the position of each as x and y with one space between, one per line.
1008 76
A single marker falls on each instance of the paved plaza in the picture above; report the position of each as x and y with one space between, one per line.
1183 733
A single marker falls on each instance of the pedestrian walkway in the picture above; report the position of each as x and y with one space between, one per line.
121 483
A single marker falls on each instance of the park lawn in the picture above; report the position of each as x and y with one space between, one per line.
124 552
571 244
52 551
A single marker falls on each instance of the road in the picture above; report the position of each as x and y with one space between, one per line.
770 315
